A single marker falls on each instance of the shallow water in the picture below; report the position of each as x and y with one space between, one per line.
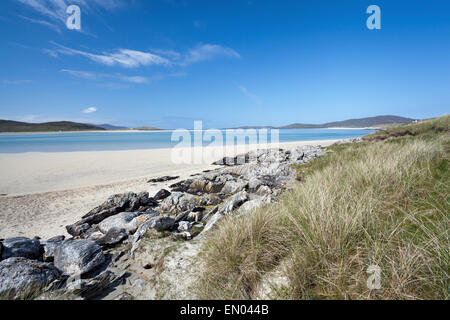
102 141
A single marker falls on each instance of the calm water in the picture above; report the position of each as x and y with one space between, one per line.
96 141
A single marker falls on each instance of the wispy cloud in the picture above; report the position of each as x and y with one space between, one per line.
107 78
90 110
42 22
104 76
252 96
170 54
133 58
51 53
204 52
53 12
82 74
56 9
16 81
122 57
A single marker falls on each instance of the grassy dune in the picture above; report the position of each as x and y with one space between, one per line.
382 202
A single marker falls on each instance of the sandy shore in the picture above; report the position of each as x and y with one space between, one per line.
47 191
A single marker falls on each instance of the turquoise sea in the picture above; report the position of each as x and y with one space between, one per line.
100 141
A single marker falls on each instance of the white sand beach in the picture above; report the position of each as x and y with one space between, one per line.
47 191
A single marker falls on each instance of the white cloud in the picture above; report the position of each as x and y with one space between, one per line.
90 110
170 54
51 53
104 76
56 9
82 74
204 52
134 79
42 22
16 81
122 57
133 58
252 96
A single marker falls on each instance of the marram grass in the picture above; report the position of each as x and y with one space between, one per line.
382 203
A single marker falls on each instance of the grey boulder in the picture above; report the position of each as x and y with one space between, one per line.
122 221
231 187
50 248
263 190
114 236
160 224
93 288
161 194
178 202
129 221
234 202
20 276
76 257
251 205
20 247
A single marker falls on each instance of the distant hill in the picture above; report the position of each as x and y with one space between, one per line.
302 126
369 122
16 126
352 123
110 127
148 129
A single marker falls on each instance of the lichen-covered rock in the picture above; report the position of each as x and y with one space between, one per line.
78 256
120 202
129 221
92 288
184 226
233 161
234 202
122 220
231 187
161 194
211 222
202 186
264 190
159 224
210 200
113 236
251 205
77 229
181 186
50 247
178 202
195 215
20 247
125 202
163 179
254 183
21 276
57 239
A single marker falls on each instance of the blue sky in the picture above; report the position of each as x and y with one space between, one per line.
167 62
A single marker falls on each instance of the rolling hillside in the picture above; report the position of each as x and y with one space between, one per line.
351 123
16 126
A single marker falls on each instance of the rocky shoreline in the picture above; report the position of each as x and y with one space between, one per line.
134 246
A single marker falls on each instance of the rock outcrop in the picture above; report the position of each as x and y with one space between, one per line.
131 238
21 277
20 247
77 257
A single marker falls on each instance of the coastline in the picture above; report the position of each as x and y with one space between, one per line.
84 131
167 130
47 191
